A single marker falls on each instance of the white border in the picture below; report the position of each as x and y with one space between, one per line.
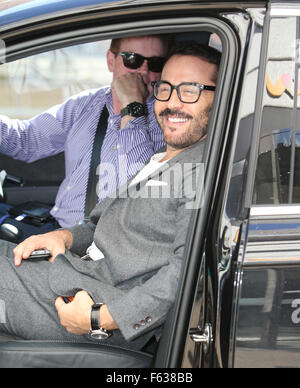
275 210
285 11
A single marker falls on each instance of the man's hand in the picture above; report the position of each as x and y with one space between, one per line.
56 242
129 88
76 316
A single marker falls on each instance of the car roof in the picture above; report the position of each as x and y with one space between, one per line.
23 11
13 11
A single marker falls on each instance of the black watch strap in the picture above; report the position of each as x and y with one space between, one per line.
97 332
95 316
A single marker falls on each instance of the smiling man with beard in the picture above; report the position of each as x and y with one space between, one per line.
123 266
183 116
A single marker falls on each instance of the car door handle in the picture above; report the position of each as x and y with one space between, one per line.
202 336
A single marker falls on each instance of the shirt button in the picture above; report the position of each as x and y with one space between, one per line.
136 326
55 208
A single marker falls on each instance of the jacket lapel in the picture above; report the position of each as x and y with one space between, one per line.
189 155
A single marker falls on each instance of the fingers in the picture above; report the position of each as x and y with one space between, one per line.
130 87
25 249
75 316
53 241
59 303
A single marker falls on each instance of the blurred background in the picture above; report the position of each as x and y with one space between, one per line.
34 84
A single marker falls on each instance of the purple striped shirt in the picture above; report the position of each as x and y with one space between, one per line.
71 128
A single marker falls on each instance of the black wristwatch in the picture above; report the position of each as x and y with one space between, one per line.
135 109
97 332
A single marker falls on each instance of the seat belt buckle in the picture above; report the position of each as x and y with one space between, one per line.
86 258
84 221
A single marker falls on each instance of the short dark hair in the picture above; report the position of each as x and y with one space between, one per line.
196 49
166 40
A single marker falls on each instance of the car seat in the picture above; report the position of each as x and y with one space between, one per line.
17 353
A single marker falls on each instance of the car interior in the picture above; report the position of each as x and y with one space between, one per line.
30 85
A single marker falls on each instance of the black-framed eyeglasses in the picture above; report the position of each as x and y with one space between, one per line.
188 92
135 61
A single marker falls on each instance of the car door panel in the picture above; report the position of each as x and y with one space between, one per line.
268 320
267 281
40 180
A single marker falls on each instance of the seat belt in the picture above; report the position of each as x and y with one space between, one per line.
91 193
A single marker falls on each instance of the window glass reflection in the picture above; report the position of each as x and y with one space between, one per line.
277 176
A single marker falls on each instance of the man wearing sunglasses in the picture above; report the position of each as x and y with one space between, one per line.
128 280
133 73
132 135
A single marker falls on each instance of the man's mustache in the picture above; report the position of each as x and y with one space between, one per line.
175 112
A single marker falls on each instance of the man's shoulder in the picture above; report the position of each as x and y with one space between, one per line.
192 154
195 153
91 94
88 100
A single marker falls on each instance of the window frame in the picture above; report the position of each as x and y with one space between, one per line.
274 11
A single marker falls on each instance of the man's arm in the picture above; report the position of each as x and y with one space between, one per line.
129 88
31 140
76 316
138 141
77 239
149 302
155 297
56 242
83 234
43 135
143 131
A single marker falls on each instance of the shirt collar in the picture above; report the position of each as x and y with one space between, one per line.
158 156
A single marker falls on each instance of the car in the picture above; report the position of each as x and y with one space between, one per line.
238 302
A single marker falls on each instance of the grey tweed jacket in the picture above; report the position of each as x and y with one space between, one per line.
142 233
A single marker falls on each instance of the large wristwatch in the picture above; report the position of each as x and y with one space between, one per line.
135 109
97 332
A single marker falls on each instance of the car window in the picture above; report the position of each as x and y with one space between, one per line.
31 85
36 83
277 176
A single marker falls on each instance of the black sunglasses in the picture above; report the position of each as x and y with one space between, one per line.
135 61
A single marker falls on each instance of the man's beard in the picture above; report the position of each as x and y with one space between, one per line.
196 131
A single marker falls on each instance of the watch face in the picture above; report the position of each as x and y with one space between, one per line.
99 334
137 109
